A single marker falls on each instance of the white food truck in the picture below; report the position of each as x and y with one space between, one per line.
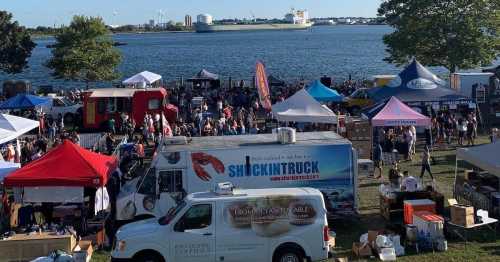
322 160
273 225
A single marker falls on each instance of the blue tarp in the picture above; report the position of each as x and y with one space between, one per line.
324 94
7 168
23 101
416 84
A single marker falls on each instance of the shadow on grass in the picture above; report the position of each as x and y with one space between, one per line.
494 249
371 184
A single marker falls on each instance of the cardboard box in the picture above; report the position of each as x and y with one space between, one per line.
22 247
363 148
365 167
462 215
469 174
372 236
85 251
359 130
361 250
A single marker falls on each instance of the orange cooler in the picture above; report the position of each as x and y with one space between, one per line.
412 206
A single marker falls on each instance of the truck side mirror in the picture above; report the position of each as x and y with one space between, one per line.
179 226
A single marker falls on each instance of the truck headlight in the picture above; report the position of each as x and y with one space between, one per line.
121 245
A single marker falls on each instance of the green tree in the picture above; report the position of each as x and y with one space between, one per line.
451 33
15 45
84 52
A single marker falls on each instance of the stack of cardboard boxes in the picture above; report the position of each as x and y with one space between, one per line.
359 132
462 215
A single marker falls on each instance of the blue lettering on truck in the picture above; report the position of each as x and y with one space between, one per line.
275 169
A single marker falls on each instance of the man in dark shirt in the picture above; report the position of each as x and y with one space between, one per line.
377 159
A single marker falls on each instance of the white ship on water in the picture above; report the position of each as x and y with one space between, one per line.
295 20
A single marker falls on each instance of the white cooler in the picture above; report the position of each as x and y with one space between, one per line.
428 222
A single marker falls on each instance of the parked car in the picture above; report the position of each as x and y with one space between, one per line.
69 110
275 225
358 100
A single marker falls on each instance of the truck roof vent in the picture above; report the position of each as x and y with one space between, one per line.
286 135
175 140
225 188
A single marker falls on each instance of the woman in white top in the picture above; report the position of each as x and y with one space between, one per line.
462 129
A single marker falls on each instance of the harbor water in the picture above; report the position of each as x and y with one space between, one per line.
336 51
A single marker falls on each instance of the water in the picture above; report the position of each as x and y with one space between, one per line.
335 51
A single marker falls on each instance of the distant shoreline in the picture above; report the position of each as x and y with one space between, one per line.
45 36
38 36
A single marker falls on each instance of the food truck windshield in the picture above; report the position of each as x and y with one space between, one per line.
165 220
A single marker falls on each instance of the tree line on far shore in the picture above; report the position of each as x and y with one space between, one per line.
455 34
170 27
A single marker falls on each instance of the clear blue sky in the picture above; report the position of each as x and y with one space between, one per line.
50 12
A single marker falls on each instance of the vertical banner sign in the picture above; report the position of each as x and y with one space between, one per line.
262 85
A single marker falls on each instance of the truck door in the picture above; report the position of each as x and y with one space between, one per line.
237 242
170 190
90 113
146 196
193 236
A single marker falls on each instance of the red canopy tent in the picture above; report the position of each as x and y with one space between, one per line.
66 165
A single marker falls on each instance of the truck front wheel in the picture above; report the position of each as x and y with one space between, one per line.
148 256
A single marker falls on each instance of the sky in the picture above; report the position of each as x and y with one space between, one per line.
33 13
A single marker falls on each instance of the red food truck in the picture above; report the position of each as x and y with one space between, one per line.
100 105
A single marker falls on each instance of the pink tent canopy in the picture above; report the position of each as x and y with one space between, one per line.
396 113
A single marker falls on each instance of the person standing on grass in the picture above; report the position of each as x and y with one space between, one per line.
414 142
426 164
139 148
470 133
408 138
462 129
377 160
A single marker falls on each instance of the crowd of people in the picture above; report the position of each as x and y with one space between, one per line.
448 128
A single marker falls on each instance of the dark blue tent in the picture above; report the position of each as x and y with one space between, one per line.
371 111
23 101
324 94
417 84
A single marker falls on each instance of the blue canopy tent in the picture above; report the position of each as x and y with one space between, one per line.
7 168
23 101
416 85
322 93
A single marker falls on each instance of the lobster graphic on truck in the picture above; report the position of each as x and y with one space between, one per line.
321 160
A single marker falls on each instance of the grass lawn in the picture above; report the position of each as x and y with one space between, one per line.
482 246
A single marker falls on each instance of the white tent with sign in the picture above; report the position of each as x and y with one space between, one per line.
143 78
11 127
302 107
486 157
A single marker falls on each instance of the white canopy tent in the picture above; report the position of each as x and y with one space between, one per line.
143 78
11 127
113 92
302 107
486 157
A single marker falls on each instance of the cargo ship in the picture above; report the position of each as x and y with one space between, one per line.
295 20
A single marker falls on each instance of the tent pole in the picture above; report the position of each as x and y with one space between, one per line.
430 132
455 180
